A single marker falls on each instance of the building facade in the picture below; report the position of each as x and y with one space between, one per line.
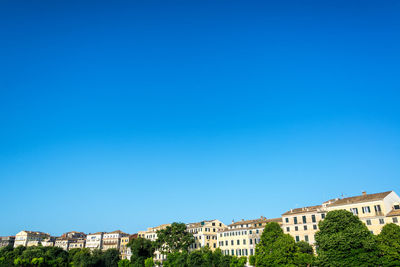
205 233
240 238
94 241
113 239
151 234
125 251
7 241
29 238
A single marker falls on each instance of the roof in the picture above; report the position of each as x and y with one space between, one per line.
303 210
360 199
394 212
256 221
98 233
198 224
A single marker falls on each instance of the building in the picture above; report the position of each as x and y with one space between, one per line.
77 243
375 210
240 238
94 241
113 239
62 242
7 241
205 233
151 234
49 241
29 238
125 251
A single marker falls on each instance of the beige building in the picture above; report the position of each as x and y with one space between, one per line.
67 239
375 210
394 214
48 242
7 241
205 233
124 249
240 238
372 209
151 234
94 241
113 239
77 243
29 238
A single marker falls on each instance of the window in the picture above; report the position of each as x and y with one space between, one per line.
250 232
315 227
226 242
233 252
287 229
232 242
313 218
366 209
286 220
395 220
215 245
323 216
296 228
238 242
244 241
306 238
251 241
396 207
304 219
381 221
257 231
251 251
295 220
213 224
377 208
368 222
354 211
297 238
305 227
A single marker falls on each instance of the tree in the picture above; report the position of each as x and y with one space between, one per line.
389 245
275 247
238 262
110 257
141 249
174 238
252 260
124 263
149 262
343 240
176 259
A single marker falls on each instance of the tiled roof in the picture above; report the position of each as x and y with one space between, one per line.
303 210
360 199
256 221
98 233
393 212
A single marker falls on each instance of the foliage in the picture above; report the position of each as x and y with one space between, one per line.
141 249
124 263
343 240
149 262
238 262
389 245
174 238
252 260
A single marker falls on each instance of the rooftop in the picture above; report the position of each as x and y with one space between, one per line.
361 198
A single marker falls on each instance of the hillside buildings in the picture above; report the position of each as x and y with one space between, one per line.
7 241
29 238
240 238
113 239
205 233
94 241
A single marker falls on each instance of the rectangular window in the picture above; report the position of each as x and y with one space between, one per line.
295 220
226 242
296 228
286 220
323 216
251 251
366 209
232 242
354 211
396 207
244 241
395 220
238 242
250 232
306 238
305 227
233 252
297 238
315 227
251 241
313 218
377 208
287 229
368 222
304 219
381 221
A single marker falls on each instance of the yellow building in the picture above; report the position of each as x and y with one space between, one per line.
77 243
372 209
240 238
124 249
375 210
205 233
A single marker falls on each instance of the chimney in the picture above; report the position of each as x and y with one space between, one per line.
233 221
364 193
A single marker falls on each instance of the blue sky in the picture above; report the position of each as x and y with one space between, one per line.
129 114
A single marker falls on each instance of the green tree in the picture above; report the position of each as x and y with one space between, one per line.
110 257
176 259
149 262
275 247
238 262
343 240
124 263
252 260
389 245
174 238
141 249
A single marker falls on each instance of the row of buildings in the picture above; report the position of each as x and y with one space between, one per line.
238 238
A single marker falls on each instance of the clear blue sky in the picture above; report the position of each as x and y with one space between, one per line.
126 115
